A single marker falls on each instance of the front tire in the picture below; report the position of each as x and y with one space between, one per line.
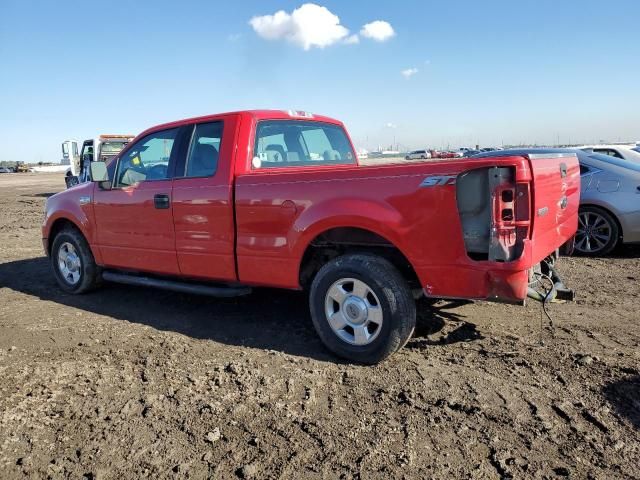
362 308
598 232
73 264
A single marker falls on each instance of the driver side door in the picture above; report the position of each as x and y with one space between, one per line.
134 219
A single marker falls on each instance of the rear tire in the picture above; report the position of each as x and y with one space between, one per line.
72 262
362 308
598 232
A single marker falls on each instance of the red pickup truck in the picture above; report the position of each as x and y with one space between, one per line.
218 204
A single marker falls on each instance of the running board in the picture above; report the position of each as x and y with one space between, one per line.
176 286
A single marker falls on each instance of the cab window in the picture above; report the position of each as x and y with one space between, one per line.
286 143
148 159
204 151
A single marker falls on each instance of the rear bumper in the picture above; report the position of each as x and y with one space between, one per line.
482 280
494 285
505 287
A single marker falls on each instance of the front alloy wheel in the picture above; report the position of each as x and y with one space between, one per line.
597 232
69 263
72 262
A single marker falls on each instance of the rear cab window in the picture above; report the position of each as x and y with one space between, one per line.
295 143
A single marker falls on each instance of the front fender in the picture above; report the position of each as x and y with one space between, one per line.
74 205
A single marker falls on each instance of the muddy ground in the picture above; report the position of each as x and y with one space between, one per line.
131 382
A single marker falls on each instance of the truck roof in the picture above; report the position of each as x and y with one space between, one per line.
256 114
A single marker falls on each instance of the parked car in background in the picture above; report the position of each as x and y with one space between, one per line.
609 211
626 152
5 170
418 154
471 153
439 154
609 204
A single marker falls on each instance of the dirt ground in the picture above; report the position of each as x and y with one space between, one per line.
130 382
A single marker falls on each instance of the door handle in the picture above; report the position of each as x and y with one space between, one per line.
161 201
563 170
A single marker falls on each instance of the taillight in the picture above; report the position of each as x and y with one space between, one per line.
523 210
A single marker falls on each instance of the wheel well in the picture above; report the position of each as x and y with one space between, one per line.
59 225
613 215
339 241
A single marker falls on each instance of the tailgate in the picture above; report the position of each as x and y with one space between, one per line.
556 198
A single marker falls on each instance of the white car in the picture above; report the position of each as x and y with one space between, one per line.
626 152
418 154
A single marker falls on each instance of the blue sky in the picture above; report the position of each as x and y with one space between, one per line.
487 72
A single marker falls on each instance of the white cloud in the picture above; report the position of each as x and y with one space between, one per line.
308 26
352 39
390 125
409 72
379 31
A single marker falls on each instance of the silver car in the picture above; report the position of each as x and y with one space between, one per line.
609 203
609 199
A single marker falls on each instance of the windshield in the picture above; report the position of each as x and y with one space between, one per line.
615 161
112 148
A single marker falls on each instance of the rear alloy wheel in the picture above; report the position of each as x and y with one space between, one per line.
353 311
362 308
597 233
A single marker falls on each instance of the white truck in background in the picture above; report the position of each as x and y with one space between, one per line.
102 148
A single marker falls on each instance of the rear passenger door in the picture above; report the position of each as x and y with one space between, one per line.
203 201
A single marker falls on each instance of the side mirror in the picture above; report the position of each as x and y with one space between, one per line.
98 171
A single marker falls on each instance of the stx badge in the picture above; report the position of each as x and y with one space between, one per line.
438 180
